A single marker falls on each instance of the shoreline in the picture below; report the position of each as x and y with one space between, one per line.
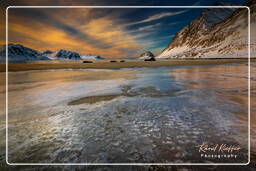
117 64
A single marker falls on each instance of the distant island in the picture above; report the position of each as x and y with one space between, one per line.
20 53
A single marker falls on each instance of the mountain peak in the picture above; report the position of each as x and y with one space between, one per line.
216 33
64 54
18 52
213 16
147 54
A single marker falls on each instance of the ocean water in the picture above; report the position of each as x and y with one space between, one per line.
141 115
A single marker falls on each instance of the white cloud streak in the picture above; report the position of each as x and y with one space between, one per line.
156 17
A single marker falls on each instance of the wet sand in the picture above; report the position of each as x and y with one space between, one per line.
115 65
93 99
126 92
127 115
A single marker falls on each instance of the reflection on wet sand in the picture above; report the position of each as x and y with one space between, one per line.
230 83
93 99
126 91
138 115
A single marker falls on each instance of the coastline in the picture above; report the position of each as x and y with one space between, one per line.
117 64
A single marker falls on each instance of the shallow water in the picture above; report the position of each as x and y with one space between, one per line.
141 115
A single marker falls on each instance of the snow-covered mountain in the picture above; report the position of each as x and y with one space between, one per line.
19 53
64 55
46 52
216 33
212 16
147 55
91 57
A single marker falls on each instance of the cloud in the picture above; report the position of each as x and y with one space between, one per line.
110 33
95 31
144 30
99 36
156 17
149 27
48 18
155 41
197 3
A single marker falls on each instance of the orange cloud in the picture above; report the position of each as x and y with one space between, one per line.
109 32
42 36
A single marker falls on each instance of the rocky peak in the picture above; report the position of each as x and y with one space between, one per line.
212 16
216 33
66 54
208 18
17 52
147 54
47 52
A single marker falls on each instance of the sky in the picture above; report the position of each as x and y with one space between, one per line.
113 33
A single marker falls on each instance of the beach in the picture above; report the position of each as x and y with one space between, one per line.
106 64
154 86
127 115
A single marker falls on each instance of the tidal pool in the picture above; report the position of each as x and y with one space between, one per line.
139 115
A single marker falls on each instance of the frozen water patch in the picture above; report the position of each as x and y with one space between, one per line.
136 126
